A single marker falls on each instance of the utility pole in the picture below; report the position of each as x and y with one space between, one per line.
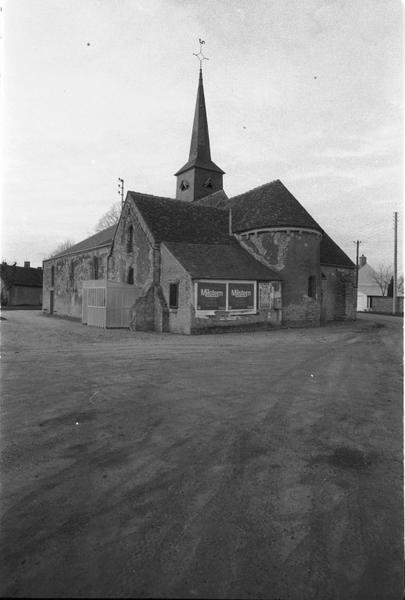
358 242
395 282
121 190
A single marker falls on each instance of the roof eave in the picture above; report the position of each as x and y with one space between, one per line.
194 164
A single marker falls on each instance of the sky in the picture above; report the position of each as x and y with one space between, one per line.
308 92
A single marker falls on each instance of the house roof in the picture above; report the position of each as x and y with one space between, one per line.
270 205
22 276
332 255
367 275
367 283
98 240
180 221
220 261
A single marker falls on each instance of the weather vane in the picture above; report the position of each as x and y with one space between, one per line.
200 54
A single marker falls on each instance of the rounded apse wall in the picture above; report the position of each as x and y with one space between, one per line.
294 254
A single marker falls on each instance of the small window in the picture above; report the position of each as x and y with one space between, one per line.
174 295
312 286
130 278
95 267
52 275
130 239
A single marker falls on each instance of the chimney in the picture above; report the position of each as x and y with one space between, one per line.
362 261
26 264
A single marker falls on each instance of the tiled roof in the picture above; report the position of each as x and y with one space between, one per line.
102 238
179 221
24 276
218 261
332 255
270 205
217 199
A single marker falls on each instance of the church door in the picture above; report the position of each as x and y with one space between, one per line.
51 302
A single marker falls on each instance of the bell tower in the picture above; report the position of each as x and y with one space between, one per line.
200 176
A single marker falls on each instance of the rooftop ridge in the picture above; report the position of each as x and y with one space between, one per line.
258 187
183 203
101 238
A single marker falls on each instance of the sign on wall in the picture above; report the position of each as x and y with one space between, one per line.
265 295
241 296
211 296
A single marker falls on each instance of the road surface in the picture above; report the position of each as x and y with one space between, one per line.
257 465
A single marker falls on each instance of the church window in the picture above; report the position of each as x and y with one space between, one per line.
312 286
174 295
184 185
208 183
130 278
130 239
53 275
95 267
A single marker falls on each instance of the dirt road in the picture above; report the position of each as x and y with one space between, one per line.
263 465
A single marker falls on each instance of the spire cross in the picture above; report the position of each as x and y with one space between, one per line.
200 54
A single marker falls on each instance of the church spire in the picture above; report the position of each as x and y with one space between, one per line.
200 139
200 176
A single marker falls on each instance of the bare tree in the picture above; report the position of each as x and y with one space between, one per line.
62 247
109 218
382 277
400 285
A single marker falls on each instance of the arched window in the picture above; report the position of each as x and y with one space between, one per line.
130 239
95 267
130 278
53 275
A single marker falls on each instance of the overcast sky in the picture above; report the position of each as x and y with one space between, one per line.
309 92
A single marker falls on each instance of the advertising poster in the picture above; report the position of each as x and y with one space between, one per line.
241 296
265 295
211 296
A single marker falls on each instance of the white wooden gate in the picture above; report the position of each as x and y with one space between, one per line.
107 304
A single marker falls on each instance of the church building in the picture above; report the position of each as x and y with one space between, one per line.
204 262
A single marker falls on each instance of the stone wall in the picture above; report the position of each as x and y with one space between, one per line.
137 255
20 295
384 304
338 294
134 259
70 272
173 272
295 255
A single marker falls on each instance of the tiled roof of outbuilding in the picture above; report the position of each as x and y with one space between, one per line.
220 261
102 238
24 276
332 255
270 205
179 221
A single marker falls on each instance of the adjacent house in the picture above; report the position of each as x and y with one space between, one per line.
367 285
20 286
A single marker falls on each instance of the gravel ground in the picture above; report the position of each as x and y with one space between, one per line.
256 465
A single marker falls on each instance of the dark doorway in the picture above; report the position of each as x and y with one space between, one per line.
51 302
